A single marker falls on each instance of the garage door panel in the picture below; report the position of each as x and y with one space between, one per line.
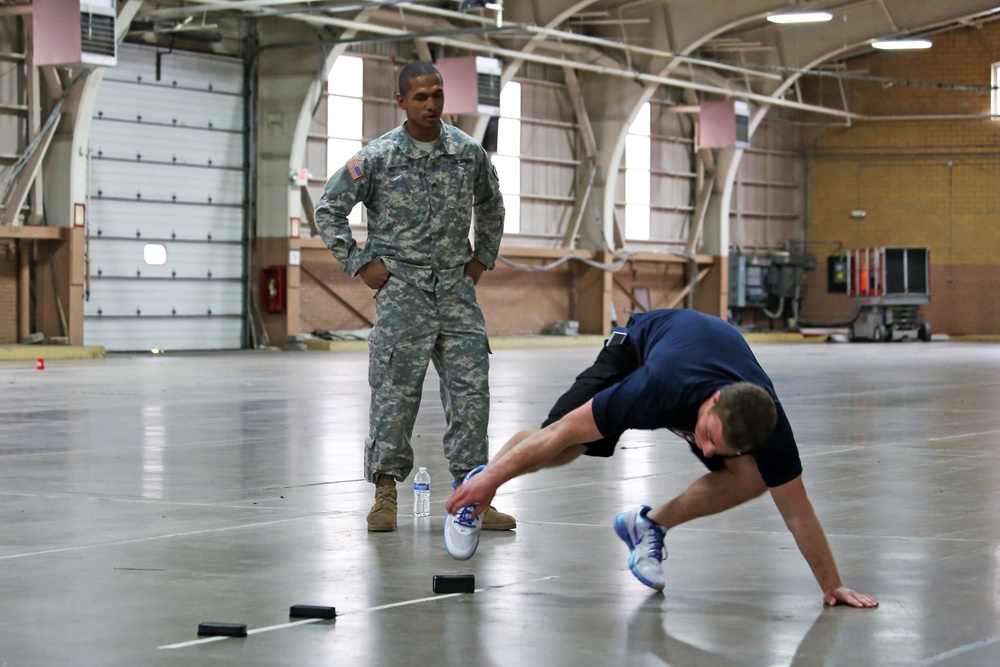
133 334
161 181
150 104
165 182
163 221
119 298
179 69
182 145
123 258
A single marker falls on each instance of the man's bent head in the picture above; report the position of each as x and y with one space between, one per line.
747 414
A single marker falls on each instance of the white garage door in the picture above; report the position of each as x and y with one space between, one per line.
166 252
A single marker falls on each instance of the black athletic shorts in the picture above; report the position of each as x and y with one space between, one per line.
612 365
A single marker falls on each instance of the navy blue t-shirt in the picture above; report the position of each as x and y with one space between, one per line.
685 357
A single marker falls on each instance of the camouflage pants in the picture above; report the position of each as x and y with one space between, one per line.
412 327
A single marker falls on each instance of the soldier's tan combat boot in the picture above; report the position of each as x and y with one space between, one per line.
382 515
494 520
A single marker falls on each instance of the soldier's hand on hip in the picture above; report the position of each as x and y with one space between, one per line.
374 273
474 269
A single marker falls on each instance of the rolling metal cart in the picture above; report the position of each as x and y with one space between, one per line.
888 285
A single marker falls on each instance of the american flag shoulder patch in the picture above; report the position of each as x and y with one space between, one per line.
354 169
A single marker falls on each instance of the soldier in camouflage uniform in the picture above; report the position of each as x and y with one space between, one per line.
420 184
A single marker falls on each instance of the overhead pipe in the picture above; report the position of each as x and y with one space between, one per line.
580 66
540 59
566 36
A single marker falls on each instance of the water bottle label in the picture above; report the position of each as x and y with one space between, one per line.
421 487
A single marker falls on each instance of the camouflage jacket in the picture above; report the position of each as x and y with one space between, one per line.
419 207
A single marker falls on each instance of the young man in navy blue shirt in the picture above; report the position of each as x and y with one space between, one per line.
695 375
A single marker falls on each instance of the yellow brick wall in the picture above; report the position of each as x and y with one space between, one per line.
8 292
923 182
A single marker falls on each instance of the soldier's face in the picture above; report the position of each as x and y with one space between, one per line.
423 103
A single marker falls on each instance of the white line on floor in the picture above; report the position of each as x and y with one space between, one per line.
153 538
947 655
404 603
959 436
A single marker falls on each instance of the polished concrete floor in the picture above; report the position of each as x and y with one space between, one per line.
141 496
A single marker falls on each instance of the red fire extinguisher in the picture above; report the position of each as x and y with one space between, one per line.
273 289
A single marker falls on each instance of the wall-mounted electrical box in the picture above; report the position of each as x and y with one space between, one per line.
757 279
836 274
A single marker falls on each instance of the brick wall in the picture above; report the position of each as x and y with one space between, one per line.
514 301
923 182
8 293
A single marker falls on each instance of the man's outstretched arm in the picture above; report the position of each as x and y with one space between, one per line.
801 519
528 451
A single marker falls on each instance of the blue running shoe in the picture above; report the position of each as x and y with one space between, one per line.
461 531
645 540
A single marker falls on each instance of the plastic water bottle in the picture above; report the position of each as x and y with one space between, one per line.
422 493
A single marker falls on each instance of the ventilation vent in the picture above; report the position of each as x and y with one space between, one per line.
488 71
742 120
489 89
97 34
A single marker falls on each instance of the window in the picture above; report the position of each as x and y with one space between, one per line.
155 254
507 160
344 113
637 144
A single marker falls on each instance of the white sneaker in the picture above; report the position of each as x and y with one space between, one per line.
461 531
645 540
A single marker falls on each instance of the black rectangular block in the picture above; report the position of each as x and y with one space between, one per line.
312 611
454 583
223 629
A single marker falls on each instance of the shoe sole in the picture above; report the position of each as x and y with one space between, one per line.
622 530
380 529
500 526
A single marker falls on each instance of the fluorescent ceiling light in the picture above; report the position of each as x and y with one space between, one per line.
901 44
800 17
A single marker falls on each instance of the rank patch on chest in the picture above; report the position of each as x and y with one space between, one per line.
354 169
